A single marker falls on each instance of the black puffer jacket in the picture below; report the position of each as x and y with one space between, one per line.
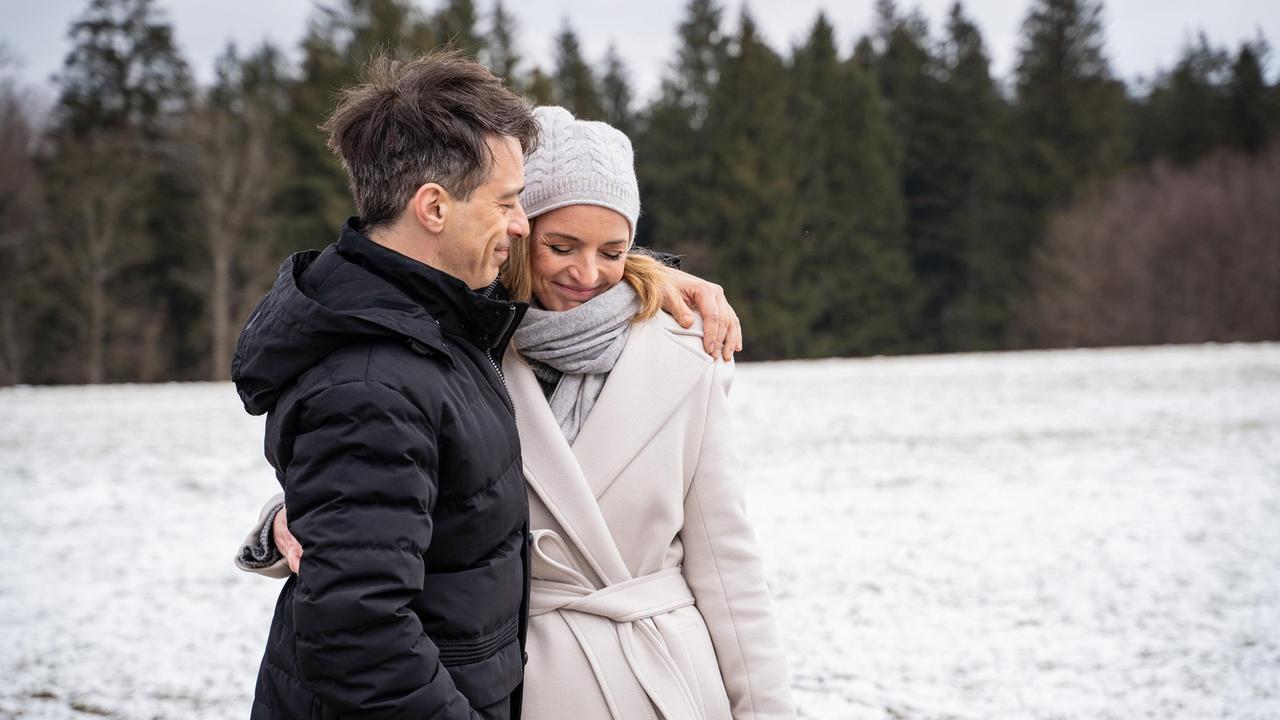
393 435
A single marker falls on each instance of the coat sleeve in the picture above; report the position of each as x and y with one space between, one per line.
258 553
360 489
723 568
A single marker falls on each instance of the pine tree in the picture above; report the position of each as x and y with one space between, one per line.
698 60
539 88
615 93
852 290
1249 121
500 53
982 221
819 187
910 77
575 84
749 199
1184 116
123 72
672 163
337 46
864 55
1071 108
1072 122
455 27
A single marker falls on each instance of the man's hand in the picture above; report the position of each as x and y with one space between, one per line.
286 543
722 333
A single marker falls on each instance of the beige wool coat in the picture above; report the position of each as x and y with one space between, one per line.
649 600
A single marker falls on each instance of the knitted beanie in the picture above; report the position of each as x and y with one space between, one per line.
579 162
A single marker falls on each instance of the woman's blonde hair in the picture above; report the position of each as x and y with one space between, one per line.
650 278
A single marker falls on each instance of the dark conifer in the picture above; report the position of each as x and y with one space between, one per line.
576 85
672 162
500 52
853 286
615 95
1071 108
1251 116
750 202
455 26
539 88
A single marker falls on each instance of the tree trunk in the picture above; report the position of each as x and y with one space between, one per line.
220 306
96 336
13 344
99 228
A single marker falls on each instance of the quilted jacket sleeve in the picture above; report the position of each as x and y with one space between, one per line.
723 568
360 488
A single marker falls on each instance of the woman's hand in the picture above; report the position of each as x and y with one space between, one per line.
722 332
286 543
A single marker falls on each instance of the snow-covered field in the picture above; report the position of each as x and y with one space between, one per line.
1083 534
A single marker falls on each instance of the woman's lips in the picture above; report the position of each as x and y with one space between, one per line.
573 293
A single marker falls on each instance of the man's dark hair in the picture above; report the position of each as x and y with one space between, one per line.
419 121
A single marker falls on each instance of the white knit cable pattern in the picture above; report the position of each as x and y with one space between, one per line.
580 162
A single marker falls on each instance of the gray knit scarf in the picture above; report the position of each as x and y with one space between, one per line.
574 351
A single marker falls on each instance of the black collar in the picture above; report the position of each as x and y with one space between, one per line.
484 318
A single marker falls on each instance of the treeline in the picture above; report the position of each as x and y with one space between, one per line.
894 198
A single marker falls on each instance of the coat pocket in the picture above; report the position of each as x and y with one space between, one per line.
486 682
700 665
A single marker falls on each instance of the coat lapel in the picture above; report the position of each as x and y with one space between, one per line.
553 474
648 383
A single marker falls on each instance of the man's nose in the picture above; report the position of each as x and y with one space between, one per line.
519 225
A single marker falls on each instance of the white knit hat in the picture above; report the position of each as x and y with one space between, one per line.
579 162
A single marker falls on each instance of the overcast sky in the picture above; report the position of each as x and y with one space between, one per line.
1142 35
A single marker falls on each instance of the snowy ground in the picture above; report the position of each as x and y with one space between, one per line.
1088 534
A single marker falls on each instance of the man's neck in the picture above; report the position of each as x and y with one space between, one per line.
400 239
419 246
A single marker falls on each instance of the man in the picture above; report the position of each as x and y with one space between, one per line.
388 421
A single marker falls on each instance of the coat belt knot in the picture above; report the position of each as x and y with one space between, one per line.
626 608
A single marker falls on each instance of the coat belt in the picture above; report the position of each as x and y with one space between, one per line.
624 602
627 608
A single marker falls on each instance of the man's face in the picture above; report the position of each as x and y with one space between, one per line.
481 228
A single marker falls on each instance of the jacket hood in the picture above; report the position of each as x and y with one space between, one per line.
320 302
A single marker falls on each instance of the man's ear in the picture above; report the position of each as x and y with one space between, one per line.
431 206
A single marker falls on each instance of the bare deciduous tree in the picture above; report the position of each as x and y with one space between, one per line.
235 166
97 220
1166 256
19 216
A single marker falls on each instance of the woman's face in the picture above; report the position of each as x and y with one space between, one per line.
577 252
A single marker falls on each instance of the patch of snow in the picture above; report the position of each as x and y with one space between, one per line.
1070 534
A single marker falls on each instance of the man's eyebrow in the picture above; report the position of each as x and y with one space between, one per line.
511 193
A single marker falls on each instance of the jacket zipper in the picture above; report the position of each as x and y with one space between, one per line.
497 367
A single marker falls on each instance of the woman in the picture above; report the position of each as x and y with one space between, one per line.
648 596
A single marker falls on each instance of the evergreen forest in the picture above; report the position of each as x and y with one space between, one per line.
854 195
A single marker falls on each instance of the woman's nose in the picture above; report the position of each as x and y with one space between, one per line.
585 272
